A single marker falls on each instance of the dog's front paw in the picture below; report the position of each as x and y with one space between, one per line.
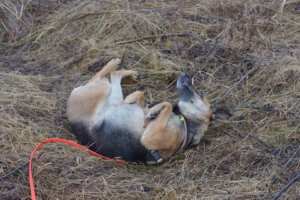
151 116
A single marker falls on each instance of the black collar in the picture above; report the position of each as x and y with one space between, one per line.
187 129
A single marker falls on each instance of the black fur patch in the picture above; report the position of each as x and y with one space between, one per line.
111 141
192 127
82 134
176 109
152 104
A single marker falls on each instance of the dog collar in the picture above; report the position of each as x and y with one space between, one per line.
185 132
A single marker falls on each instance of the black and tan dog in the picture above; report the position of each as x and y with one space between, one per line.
116 127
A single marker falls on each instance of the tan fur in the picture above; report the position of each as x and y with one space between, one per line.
85 100
159 134
136 97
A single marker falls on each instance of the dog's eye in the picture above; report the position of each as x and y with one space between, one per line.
192 101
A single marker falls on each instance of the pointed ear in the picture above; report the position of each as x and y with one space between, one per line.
220 113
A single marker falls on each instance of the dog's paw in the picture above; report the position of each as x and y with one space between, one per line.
133 74
151 116
126 73
114 64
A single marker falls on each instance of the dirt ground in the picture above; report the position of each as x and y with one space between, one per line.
244 55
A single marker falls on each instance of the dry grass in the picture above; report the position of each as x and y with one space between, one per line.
243 54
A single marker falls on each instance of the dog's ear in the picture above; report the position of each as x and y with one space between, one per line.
220 113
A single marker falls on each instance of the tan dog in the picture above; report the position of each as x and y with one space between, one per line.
116 127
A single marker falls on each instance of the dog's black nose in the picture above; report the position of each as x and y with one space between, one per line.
184 80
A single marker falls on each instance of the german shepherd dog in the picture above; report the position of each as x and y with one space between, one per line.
113 126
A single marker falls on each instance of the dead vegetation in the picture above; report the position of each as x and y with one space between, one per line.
243 54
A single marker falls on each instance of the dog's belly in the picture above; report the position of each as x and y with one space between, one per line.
126 116
118 133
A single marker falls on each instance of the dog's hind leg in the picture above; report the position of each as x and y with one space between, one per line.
109 67
88 100
136 97
116 95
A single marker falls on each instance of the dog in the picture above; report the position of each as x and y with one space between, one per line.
115 127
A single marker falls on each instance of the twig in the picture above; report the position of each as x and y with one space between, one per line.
237 83
286 164
291 182
280 10
83 15
91 14
269 146
253 135
291 158
14 171
150 37
11 194
98 13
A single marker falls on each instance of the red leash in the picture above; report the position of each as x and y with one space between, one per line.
60 140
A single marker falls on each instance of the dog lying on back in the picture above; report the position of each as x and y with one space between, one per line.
113 126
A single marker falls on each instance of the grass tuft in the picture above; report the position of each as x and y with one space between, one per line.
243 54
